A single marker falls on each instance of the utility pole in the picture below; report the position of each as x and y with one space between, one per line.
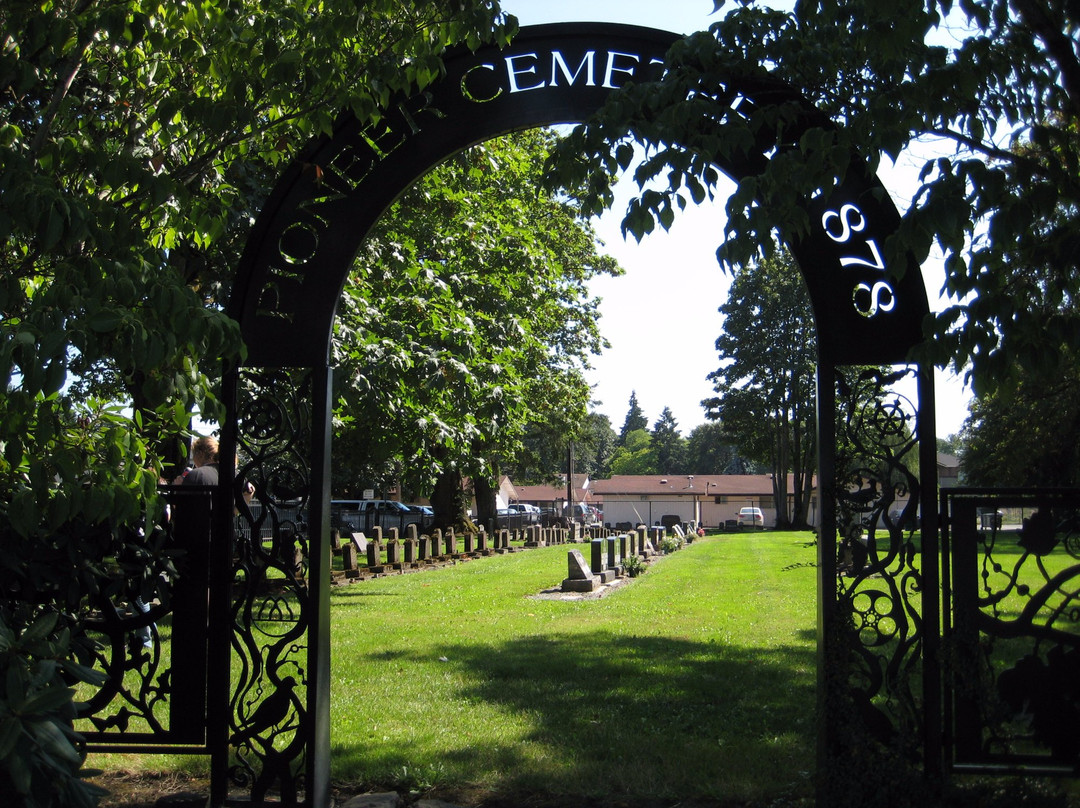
570 479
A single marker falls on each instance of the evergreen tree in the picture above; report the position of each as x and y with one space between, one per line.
596 447
635 419
668 445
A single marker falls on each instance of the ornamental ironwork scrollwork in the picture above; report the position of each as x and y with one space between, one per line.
879 583
271 608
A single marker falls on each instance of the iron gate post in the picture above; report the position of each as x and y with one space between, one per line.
318 693
219 681
826 564
926 426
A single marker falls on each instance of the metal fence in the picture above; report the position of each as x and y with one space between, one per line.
353 521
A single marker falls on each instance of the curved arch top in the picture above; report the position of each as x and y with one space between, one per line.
301 250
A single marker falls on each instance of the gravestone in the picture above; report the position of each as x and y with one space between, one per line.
533 537
579 576
612 557
470 543
596 558
410 547
436 543
410 532
424 547
374 554
393 549
359 541
450 542
348 560
599 566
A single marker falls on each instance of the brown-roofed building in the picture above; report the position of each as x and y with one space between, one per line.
709 500
948 470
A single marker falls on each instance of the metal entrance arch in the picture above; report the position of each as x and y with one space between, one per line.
273 736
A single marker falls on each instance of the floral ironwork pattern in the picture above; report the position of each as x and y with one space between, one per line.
879 583
271 605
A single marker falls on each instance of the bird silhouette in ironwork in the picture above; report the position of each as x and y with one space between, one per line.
271 712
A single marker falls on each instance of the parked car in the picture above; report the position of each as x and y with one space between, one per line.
363 514
750 517
579 512
530 514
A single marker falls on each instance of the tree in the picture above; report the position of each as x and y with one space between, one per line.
636 455
596 447
1001 199
134 139
543 457
765 384
952 444
1027 436
709 450
668 445
635 419
467 325
128 136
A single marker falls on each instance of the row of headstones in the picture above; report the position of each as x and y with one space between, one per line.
606 557
416 549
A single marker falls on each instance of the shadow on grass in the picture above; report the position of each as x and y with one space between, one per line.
614 715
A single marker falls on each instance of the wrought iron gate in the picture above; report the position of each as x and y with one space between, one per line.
873 623
1011 591
148 629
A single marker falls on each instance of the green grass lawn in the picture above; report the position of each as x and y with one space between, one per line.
695 680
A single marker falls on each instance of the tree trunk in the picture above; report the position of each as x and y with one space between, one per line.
486 506
780 470
448 500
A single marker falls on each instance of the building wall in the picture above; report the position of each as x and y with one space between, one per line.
645 512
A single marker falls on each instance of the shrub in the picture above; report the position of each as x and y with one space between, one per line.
40 754
670 544
633 565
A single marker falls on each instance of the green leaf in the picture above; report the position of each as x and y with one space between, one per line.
47 700
104 321
10 732
53 740
42 626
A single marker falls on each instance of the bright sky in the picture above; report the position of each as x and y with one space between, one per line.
661 317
